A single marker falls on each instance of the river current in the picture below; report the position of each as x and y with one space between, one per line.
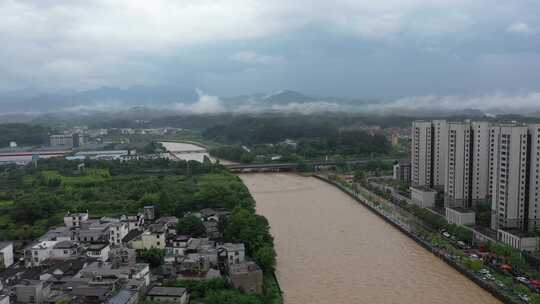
333 250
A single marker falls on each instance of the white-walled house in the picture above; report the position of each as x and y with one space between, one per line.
117 232
72 220
154 237
6 254
235 253
64 250
35 254
99 251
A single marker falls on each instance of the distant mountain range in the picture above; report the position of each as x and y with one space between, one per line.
167 100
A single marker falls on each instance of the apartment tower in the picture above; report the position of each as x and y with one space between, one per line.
422 154
458 165
509 153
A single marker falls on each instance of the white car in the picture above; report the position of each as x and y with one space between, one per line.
524 298
446 234
523 280
474 256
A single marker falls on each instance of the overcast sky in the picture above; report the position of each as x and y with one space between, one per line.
346 48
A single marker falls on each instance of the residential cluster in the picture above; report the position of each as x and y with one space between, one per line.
474 163
99 261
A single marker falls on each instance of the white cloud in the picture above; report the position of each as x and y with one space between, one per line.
206 104
249 57
83 44
518 28
503 103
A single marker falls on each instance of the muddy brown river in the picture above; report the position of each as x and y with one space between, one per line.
333 250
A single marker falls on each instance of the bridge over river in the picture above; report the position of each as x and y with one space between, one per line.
283 167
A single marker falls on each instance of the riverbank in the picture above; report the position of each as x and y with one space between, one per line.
436 251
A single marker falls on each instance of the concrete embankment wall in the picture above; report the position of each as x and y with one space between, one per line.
494 291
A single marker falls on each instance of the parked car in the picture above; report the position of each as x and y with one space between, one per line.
446 234
523 280
524 298
462 245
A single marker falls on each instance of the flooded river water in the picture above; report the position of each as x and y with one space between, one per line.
333 250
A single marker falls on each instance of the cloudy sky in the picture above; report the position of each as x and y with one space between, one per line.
345 48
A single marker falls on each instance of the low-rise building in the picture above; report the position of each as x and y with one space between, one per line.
460 216
73 220
92 231
4 299
124 296
247 277
176 244
149 212
99 251
177 295
38 252
118 230
423 197
65 249
140 272
6 254
154 237
61 140
32 291
519 239
232 253
402 171
135 222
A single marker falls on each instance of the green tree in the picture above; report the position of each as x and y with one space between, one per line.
251 229
266 258
516 260
231 297
153 256
190 225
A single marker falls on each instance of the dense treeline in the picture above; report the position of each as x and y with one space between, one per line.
23 134
341 144
31 200
255 130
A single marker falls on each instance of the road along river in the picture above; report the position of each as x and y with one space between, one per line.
331 249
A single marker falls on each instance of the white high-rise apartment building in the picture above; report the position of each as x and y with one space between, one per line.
457 192
534 177
440 149
508 144
480 161
422 154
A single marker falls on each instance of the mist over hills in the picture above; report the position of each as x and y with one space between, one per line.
157 101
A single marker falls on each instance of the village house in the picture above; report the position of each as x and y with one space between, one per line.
177 295
247 277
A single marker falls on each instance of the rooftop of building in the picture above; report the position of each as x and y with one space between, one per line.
122 297
158 291
97 246
131 235
233 246
461 209
4 245
65 245
423 188
520 233
245 267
